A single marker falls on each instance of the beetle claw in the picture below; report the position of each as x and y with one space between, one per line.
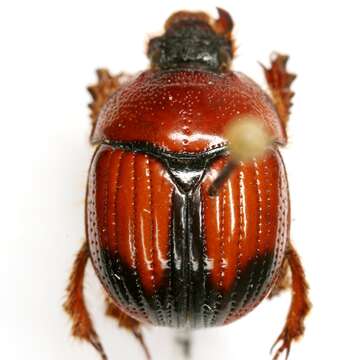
138 335
285 340
95 342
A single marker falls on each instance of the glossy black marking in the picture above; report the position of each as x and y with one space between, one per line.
250 281
188 313
190 43
187 296
185 169
165 155
196 261
185 174
178 269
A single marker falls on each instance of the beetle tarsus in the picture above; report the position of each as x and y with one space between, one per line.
299 308
95 342
285 341
139 336
127 322
75 306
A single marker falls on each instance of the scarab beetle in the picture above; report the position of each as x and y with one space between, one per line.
187 206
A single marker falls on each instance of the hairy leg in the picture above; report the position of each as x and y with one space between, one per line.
299 308
125 321
283 283
82 326
279 81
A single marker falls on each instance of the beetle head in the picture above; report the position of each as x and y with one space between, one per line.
193 40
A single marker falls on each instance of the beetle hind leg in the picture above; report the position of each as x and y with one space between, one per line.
283 283
125 321
299 308
82 326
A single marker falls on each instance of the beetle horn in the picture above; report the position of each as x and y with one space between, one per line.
224 24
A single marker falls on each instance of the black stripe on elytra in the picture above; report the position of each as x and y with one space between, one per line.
125 281
122 280
116 277
196 263
250 282
187 293
178 256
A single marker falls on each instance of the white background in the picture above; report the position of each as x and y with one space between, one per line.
48 53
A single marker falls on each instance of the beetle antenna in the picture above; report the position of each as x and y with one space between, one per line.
247 140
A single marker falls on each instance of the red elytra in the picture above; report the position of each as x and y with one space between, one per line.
132 228
166 252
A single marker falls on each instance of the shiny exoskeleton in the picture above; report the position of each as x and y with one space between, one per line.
168 252
168 249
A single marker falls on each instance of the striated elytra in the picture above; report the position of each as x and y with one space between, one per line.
187 205
165 250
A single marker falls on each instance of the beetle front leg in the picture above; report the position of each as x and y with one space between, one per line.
82 326
279 81
127 322
299 308
100 92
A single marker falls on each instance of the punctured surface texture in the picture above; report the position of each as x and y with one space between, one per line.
182 258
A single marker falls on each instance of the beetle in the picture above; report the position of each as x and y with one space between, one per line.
187 203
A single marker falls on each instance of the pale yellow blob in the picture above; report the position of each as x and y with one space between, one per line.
248 139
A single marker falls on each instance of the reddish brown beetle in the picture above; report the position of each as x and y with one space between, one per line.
185 226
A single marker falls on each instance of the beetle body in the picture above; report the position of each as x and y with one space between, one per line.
187 206
167 252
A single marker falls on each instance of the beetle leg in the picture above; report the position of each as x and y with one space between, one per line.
283 282
127 322
279 81
299 308
82 327
106 85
